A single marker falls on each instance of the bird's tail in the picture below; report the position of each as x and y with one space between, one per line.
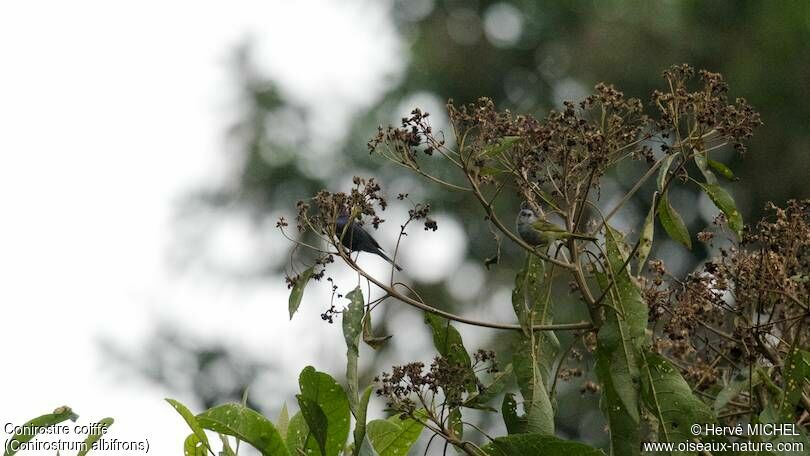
385 257
582 237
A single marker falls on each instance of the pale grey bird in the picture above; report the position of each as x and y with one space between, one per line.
537 231
356 239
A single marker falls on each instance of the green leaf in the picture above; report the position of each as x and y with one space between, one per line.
298 290
737 385
193 447
646 240
515 424
447 340
797 372
96 434
360 417
723 200
298 435
283 421
662 173
59 415
667 396
703 166
538 444
191 420
619 342
770 415
479 400
329 395
531 296
502 146
722 169
245 424
316 421
531 300
673 223
532 362
532 383
352 327
394 436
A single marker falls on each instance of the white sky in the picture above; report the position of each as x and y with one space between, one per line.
109 113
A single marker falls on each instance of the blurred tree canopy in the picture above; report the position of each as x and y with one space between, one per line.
529 56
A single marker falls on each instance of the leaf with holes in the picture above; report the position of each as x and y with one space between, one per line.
394 436
323 390
245 424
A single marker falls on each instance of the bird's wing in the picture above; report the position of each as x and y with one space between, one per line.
365 235
548 227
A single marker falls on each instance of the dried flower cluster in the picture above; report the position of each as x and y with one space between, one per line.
751 305
445 384
706 108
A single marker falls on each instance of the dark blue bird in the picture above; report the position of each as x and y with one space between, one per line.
356 239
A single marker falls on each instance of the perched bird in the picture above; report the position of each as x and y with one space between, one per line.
356 239
537 231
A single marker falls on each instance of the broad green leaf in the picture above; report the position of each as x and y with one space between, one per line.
770 415
673 223
191 420
515 424
245 424
352 327
662 173
360 425
531 300
366 449
738 384
722 169
531 296
797 373
394 436
193 447
619 342
96 434
531 380
496 149
316 421
283 421
298 435
723 200
495 387
667 395
538 444
703 166
646 239
490 171
533 361
59 415
329 395
298 290
447 340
